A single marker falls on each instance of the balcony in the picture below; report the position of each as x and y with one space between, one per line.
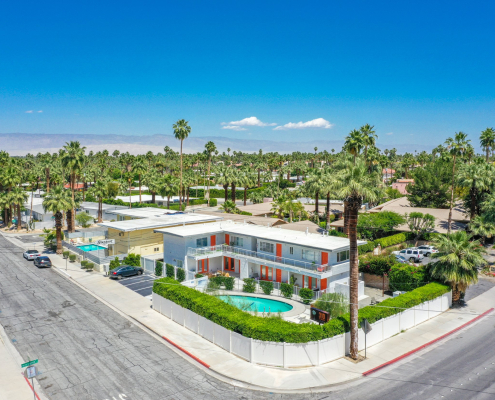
231 251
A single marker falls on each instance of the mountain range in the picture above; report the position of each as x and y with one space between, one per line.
19 144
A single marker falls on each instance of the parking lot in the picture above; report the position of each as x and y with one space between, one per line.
141 284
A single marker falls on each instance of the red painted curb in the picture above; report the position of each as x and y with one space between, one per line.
426 344
27 380
185 351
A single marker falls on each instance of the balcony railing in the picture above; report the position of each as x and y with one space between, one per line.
223 249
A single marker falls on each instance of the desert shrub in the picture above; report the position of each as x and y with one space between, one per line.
213 202
246 213
66 254
170 271
287 290
89 265
72 257
181 275
83 263
306 295
267 287
249 285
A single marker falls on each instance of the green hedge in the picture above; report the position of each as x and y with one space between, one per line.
119 202
213 202
170 271
159 268
278 330
376 265
405 277
384 242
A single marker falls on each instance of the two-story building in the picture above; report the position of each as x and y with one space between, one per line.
267 253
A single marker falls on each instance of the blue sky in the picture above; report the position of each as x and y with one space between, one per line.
419 71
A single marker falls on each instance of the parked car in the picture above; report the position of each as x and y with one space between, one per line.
401 259
428 250
42 262
30 255
411 254
125 270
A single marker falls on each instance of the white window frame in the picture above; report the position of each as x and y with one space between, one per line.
305 255
203 239
343 256
264 245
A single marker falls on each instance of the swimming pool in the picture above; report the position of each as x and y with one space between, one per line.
248 303
91 247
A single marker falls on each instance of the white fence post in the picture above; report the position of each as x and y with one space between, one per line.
317 352
251 350
285 357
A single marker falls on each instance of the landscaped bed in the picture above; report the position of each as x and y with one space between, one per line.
278 330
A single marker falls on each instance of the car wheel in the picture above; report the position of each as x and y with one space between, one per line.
411 259
119 276
428 254
140 272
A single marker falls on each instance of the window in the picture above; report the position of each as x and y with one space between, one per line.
237 241
266 247
343 255
156 249
291 250
202 242
179 263
309 255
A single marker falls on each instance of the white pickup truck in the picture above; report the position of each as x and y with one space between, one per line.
412 254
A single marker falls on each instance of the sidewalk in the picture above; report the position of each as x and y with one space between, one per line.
236 371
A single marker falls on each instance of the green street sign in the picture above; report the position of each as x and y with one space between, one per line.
29 363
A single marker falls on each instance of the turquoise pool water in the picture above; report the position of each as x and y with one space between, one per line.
257 303
91 247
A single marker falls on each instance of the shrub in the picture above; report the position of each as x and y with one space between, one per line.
335 232
336 304
89 265
158 268
287 290
376 265
83 263
84 219
170 271
72 257
65 254
197 276
246 213
115 263
392 240
228 281
306 295
213 202
405 277
277 330
181 275
133 260
249 285
267 287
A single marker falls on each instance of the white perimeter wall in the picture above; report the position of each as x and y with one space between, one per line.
298 354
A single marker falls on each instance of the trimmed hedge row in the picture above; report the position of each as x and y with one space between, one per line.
277 330
384 242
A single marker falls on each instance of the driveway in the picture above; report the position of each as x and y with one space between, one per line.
141 284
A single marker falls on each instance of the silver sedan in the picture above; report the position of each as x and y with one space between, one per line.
30 255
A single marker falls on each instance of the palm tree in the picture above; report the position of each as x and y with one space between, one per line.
481 225
355 185
314 185
229 207
457 261
369 137
73 160
292 208
169 187
56 201
181 132
139 168
209 150
477 178
456 147
354 143
100 192
487 141
152 180
223 177
18 197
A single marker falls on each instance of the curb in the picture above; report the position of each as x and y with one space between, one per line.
186 352
369 372
27 380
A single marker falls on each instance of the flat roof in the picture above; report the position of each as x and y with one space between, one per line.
145 212
158 222
325 242
148 197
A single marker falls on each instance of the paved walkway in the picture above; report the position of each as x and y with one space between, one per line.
242 373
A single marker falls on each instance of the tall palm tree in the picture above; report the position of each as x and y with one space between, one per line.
356 185
487 141
18 197
57 201
73 161
139 168
100 191
152 180
456 146
476 177
457 261
168 187
223 177
354 143
181 132
209 150
314 186
369 137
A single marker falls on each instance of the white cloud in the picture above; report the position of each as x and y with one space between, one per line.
390 133
315 123
29 112
234 128
251 121
40 111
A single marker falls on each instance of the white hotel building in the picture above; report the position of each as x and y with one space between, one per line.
266 253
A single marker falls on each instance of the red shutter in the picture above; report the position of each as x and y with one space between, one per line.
324 258
279 275
213 240
227 239
323 284
279 250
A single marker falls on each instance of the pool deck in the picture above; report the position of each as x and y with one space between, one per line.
297 308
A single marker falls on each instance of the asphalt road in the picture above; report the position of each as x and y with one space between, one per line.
88 351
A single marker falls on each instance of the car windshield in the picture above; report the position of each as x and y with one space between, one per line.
32 252
44 259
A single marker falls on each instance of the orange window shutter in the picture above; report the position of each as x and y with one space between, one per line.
279 250
323 284
227 239
213 240
324 258
207 265
279 275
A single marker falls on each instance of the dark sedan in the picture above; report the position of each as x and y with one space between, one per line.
125 270
42 262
